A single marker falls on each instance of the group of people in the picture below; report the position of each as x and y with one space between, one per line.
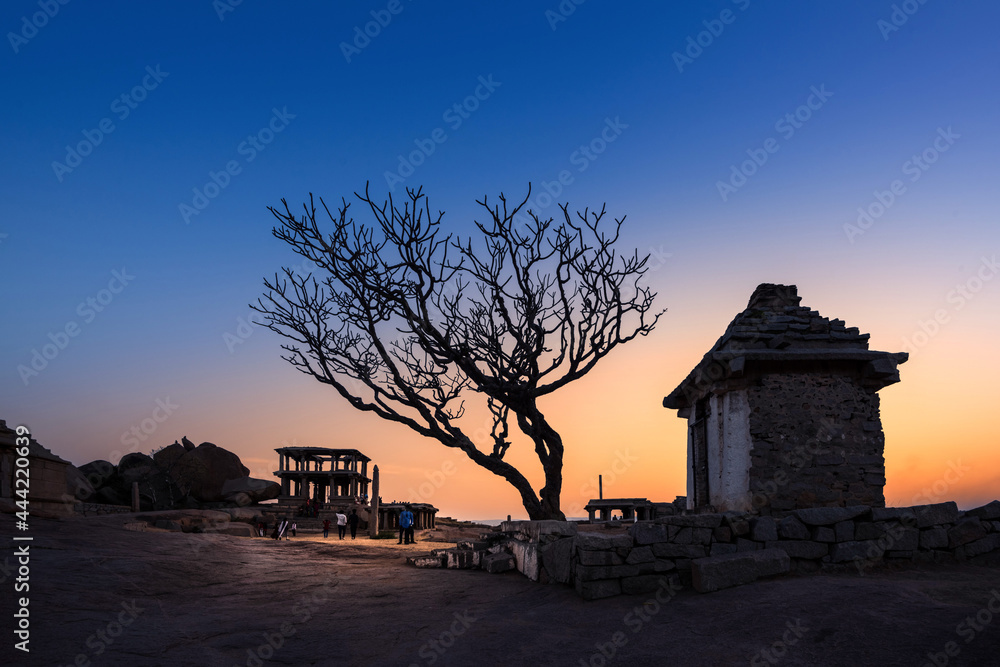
282 528
343 521
310 508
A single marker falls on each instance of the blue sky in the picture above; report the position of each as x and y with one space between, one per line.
223 77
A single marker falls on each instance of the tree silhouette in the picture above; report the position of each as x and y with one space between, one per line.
408 321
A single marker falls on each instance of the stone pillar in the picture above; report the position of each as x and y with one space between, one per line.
135 496
373 524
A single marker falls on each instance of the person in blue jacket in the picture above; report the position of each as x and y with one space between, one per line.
406 526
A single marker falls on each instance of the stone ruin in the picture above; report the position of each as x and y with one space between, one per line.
785 474
783 412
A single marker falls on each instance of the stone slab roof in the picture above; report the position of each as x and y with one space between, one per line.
776 327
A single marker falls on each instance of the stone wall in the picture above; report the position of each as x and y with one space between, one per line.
817 442
90 509
713 551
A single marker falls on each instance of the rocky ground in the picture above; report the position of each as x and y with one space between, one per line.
104 595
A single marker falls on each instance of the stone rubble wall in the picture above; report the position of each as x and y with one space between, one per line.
817 442
91 509
713 551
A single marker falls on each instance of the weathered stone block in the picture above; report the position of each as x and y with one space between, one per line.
965 531
763 529
827 516
500 562
665 550
533 530
738 526
988 512
902 539
526 557
866 530
648 533
693 520
461 559
987 544
595 590
858 550
892 513
596 572
721 549
722 534
599 558
935 515
718 572
824 534
684 536
747 545
800 548
557 559
844 531
425 561
701 535
790 528
599 542
934 538
640 555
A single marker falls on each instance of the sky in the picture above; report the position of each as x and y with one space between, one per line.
848 148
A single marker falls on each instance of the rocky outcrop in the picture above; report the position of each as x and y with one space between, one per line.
179 476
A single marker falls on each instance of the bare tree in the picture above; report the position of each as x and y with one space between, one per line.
407 320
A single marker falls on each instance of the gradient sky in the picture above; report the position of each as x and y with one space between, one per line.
919 274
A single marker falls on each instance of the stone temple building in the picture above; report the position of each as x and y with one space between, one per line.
783 412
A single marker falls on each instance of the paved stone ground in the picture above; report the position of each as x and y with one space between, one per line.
186 599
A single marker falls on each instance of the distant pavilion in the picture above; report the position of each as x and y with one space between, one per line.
322 474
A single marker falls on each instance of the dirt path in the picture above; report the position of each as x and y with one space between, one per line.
102 595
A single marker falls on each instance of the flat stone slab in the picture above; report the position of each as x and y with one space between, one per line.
717 572
496 563
988 512
827 516
532 530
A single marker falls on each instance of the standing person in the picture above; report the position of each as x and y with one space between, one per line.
406 526
326 528
353 522
293 528
341 523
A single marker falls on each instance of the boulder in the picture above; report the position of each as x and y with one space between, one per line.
204 471
98 472
167 457
257 490
78 484
133 467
